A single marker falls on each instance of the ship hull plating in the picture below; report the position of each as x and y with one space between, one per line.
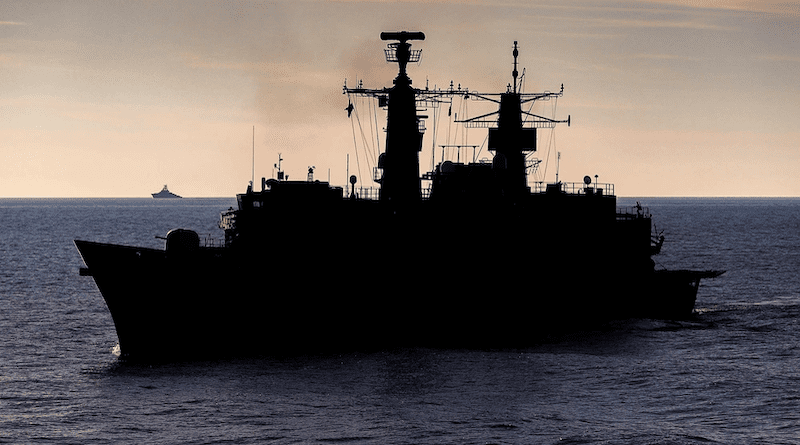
222 303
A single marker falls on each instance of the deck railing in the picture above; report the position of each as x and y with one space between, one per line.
365 193
575 188
633 212
209 240
374 193
569 188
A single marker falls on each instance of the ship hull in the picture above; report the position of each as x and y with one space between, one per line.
218 302
167 195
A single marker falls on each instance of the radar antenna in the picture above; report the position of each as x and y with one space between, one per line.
400 52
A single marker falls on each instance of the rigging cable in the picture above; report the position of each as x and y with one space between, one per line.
436 117
551 143
449 126
452 143
525 119
433 138
464 114
374 132
355 141
377 132
367 151
364 141
370 156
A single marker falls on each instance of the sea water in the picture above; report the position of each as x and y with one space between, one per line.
729 375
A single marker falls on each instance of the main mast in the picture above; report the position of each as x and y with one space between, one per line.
401 182
510 140
513 134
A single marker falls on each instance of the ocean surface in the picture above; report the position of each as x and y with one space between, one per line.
730 375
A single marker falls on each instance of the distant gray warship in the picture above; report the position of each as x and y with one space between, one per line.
165 193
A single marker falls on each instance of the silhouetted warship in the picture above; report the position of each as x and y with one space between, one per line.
308 266
165 193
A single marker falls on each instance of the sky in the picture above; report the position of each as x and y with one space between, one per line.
665 98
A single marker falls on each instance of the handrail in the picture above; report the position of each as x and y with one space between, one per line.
363 193
212 241
633 212
569 188
374 193
575 188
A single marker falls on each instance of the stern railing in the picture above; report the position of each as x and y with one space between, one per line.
633 212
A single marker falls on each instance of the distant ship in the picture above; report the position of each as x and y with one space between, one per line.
165 193
469 254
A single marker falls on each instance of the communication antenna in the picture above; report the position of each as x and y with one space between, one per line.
253 173
278 166
558 165
515 73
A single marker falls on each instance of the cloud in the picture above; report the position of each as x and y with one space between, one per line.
196 60
666 57
644 23
780 58
13 23
10 61
768 6
279 71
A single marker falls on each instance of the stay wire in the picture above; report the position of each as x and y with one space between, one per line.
355 142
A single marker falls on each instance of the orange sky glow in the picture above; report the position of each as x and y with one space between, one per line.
118 98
